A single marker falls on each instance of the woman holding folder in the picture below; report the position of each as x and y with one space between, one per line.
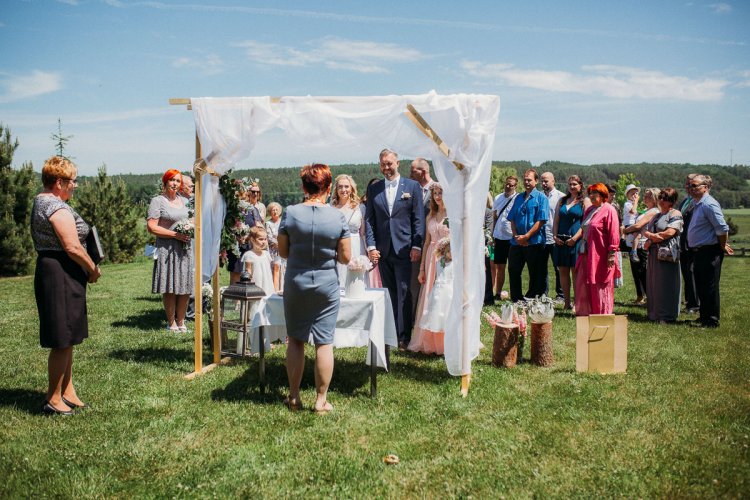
63 268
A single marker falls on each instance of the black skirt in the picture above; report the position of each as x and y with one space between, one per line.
60 290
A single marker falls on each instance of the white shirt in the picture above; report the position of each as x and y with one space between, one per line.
391 187
502 229
554 198
426 191
628 218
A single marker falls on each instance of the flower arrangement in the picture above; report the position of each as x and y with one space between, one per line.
230 190
510 314
406 196
541 309
185 226
359 263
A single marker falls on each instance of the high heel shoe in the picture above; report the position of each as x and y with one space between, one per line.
75 406
48 409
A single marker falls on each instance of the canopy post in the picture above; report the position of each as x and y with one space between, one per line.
417 119
200 168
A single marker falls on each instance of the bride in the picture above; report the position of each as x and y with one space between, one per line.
344 197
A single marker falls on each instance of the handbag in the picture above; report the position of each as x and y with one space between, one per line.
668 251
94 246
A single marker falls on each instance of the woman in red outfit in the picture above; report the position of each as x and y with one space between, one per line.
596 267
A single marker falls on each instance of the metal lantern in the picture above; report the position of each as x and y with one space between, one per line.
237 303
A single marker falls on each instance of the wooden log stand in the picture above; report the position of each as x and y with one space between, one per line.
541 344
505 346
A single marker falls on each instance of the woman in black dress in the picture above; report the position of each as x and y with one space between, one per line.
63 268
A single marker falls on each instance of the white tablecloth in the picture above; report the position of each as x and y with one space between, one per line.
360 321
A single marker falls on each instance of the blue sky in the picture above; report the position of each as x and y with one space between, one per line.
579 81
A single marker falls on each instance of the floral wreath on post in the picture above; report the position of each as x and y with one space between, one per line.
234 222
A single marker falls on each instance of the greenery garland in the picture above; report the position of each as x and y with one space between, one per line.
234 222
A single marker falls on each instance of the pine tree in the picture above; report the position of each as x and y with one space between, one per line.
120 223
17 189
61 141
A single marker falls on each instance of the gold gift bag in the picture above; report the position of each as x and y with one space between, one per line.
602 343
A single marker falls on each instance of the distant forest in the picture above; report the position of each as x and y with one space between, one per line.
731 184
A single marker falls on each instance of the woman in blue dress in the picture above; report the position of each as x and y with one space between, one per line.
313 236
568 217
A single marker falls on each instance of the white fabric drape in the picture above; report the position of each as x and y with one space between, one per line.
228 129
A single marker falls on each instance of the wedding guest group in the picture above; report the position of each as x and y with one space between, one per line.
63 268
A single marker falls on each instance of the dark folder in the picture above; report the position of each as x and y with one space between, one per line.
94 246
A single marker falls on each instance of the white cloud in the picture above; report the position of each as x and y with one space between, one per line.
607 80
745 79
210 64
333 53
721 8
15 87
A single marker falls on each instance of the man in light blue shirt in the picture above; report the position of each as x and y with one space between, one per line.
707 239
553 199
527 217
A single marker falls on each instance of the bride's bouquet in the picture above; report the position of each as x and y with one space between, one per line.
359 263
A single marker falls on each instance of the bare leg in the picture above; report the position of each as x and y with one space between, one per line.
295 366
170 304
67 389
565 284
323 374
493 270
276 276
181 302
57 366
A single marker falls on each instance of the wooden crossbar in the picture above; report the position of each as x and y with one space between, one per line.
413 115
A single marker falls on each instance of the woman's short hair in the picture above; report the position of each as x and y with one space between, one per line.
433 204
55 168
316 178
353 197
168 175
669 195
273 205
599 188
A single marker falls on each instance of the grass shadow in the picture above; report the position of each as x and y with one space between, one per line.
150 298
155 355
27 400
146 320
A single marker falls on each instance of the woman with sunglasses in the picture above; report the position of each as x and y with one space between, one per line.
662 236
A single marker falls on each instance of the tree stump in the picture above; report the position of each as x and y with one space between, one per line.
505 347
541 344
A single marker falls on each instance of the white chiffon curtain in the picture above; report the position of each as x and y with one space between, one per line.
228 129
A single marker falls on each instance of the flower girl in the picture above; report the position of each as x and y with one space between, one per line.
257 260
438 301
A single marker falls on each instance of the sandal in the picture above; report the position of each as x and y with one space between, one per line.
293 405
327 408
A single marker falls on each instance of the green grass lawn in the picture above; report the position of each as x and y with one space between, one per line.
676 425
741 217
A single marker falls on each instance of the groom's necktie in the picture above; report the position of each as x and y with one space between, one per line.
390 193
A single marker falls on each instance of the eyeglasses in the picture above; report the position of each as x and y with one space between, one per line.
696 185
74 181
254 191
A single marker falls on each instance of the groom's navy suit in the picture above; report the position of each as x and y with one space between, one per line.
394 234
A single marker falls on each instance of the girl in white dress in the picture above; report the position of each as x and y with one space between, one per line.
344 197
257 260
439 300
278 264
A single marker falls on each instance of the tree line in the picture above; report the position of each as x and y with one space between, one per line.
117 204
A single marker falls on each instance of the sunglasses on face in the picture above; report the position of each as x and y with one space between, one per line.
696 185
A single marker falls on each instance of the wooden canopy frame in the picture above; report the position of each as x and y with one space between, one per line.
199 168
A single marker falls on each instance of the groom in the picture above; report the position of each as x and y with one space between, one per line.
394 225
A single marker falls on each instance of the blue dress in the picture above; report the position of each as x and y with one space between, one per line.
311 284
567 226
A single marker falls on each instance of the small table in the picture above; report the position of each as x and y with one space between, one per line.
366 321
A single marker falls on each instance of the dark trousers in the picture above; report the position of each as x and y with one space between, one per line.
707 270
414 286
489 299
639 272
535 256
558 288
688 277
396 276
